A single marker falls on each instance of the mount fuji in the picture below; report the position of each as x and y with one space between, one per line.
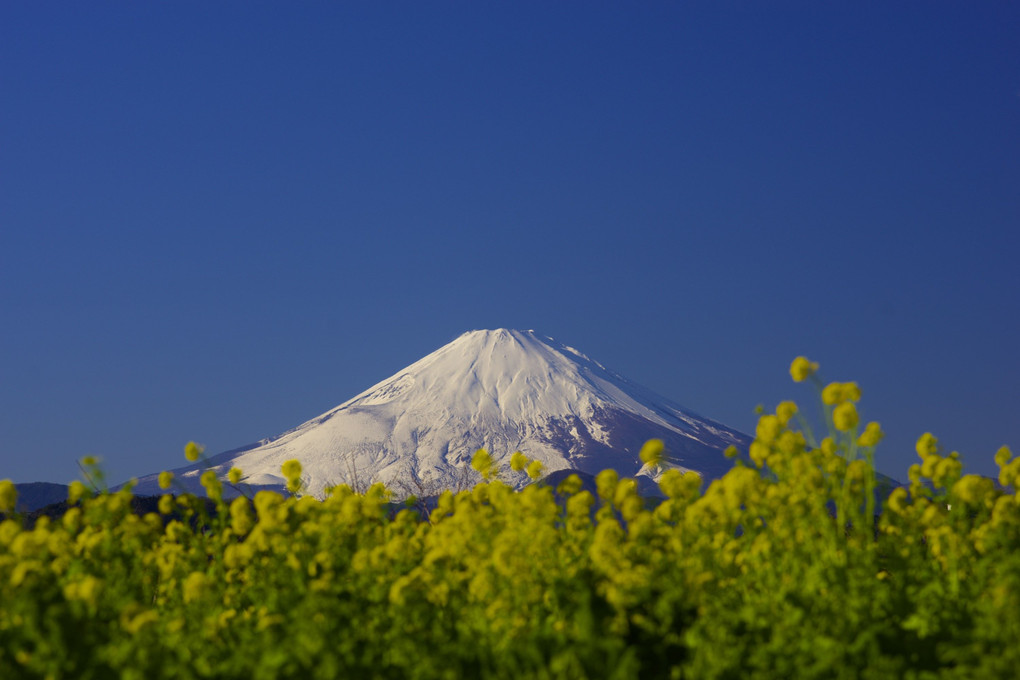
502 390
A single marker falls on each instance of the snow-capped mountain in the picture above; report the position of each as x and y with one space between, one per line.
504 390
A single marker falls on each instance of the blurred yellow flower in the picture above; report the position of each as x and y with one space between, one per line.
973 489
234 476
605 483
759 453
898 500
241 520
927 445
133 624
8 496
86 590
482 462
195 586
831 393
802 368
192 451
768 429
165 479
785 411
844 416
291 469
837 392
1002 456
857 470
652 452
518 461
569 486
871 436
213 486
75 492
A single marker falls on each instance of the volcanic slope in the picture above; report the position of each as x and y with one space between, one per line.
502 390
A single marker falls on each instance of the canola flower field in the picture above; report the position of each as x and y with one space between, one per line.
784 568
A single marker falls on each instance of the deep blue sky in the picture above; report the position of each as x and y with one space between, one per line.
218 220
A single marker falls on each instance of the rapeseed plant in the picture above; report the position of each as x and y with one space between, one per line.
777 569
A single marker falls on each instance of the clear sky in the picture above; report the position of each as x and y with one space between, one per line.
220 219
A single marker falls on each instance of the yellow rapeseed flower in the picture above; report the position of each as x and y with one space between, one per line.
192 451
518 461
802 368
652 452
605 483
165 479
234 476
769 427
534 469
973 489
482 462
291 469
195 586
837 392
832 393
1009 472
791 443
75 492
898 500
670 483
927 445
213 486
1002 456
72 519
625 488
569 486
134 623
683 485
844 416
241 520
785 411
871 436
8 496
857 471
86 590
758 452
947 470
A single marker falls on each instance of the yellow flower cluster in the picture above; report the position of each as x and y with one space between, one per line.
8 496
838 393
783 568
943 471
193 451
652 453
871 436
802 368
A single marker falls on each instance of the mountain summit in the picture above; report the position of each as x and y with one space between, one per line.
502 390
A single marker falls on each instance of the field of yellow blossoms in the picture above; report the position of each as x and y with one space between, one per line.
788 567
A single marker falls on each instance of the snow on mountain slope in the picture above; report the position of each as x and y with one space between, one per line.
504 390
